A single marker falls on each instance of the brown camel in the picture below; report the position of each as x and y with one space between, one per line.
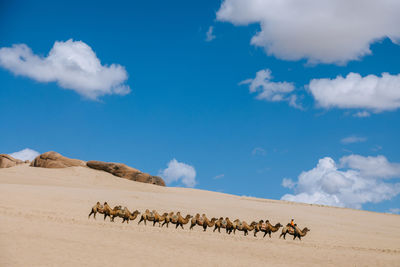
208 223
196 220
126 215
159 218
229 226
243 226
96 208
178 220
271 228
261 226
221 223
167 219
110 212
147 216
288 229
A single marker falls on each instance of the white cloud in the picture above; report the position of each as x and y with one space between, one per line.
219 176
25 154
288 183
72 64
209 34
373 167
353 91
259 151
271 91
360 182
394 211
361 114
179 171
330 31
353 139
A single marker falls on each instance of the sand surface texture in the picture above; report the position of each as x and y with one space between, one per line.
43 222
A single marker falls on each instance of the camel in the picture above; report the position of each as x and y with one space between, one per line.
271 228
167 219
110 212
178 220
288 229
159 218
96 208
221 223
126 215
243 226
196 220
208 223
147 216
266 227
229 226
261 226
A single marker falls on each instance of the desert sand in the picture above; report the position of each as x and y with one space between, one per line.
43 222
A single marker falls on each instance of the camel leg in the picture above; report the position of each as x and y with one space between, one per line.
105 216
154 223
177 225
204 228
255 233
192 225
163 224
215 228
269 233
181 226
91 214
145 223
141 219
219 229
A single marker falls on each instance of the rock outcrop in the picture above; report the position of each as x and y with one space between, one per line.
6 161
55 160
124 171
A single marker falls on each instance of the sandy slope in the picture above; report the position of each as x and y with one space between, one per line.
43 222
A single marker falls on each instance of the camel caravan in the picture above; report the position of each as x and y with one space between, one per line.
198 220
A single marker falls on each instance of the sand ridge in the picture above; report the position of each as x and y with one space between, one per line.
43 222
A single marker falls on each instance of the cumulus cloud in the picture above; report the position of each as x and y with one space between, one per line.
71 64
179 171
371 92
330 31
394 211
356 181
288 183
271 91
25 154
353 139
209 34
373 167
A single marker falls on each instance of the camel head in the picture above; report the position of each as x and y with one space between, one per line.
253 223
188 216
305 230
278 225
214 219
135 212
165 214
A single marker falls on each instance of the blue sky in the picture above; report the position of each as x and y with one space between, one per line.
184 98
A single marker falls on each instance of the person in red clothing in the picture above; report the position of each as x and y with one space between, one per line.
293 224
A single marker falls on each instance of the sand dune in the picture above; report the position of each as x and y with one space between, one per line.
43 222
